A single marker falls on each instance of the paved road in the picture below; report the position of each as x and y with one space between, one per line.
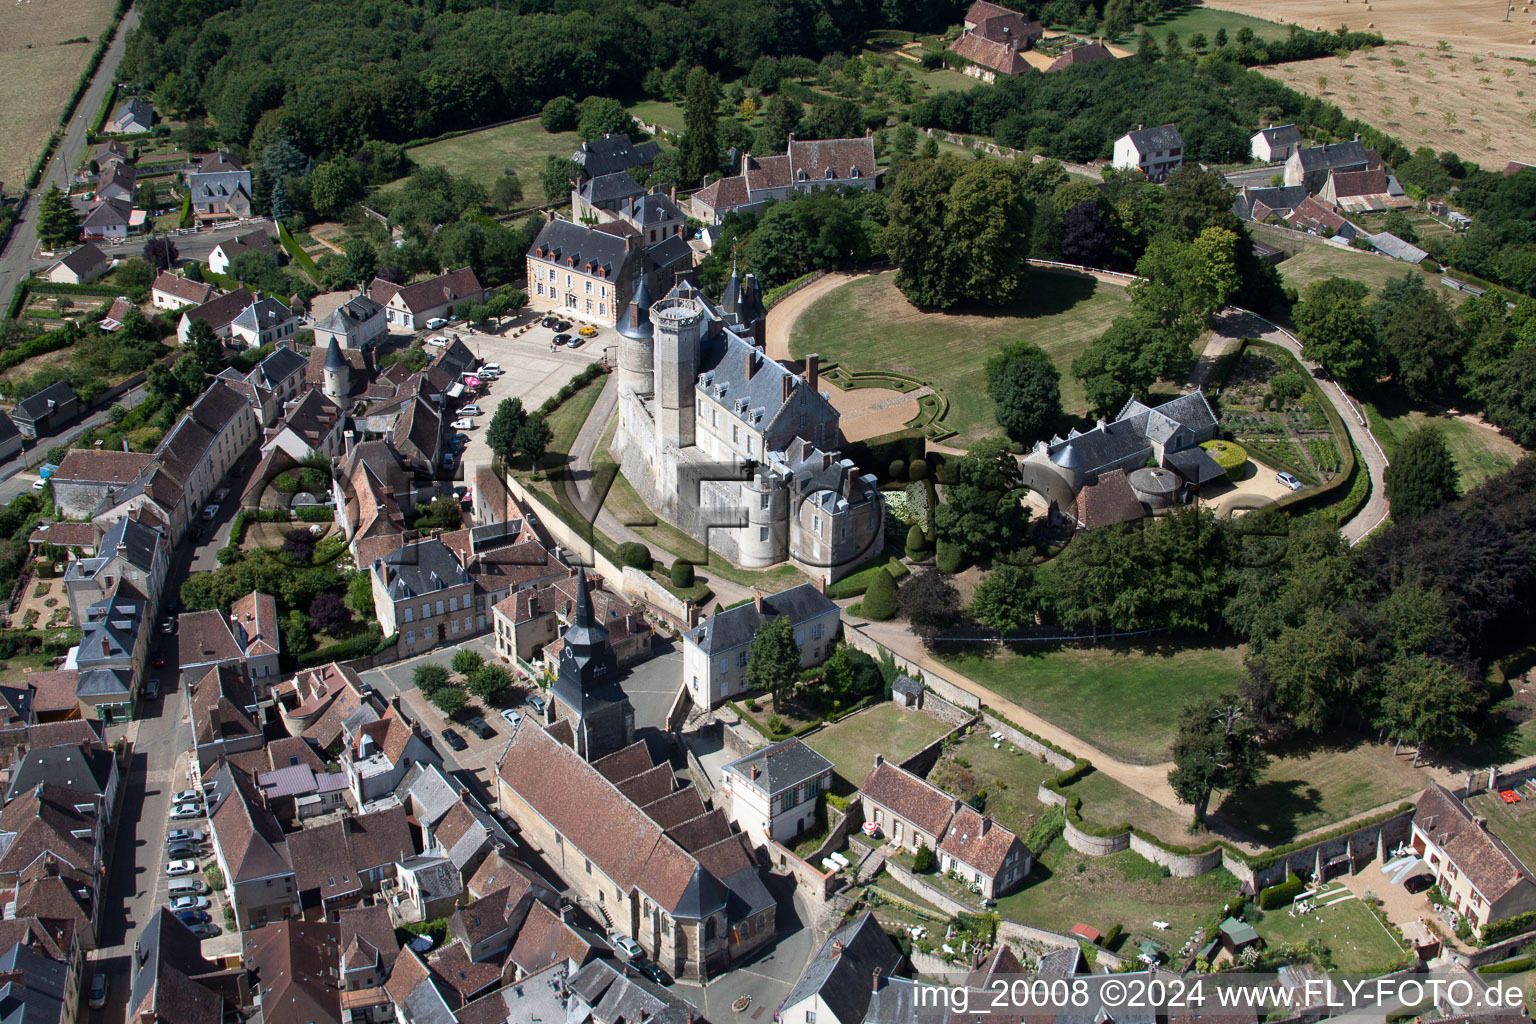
1258 177
18 473
15 262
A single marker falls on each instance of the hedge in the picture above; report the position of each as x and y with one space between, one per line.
105 110
43 343
296 251
1509 926
315 514
773 737
1515 966
1282 893
858 583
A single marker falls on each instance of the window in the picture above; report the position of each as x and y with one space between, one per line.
589 867
725 664
426 611
410 637
409 615
569 283
762 534
602 292
741 660
818 630
735 434
439 607
602 309
589 305
453 604
816 524
589 287
762 500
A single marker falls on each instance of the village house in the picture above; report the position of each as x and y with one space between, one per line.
114 647
1275 145
341 862
220 427
1084 54
172 980
108 219
627 837
1156 152
612 154
47 411
87 476
117 315
281 375
131 552
994 40
773 793
807 166
111 152
218 313
224 715
1368 191
250 849
839 983
219 195
584 272
1319 218
408 307
133 116
1311 165
424 595
292 968
84 265
311 425
172 291
715 651
223 254
1481 877
358 323
264 322
117 181
912 812
378 754
529 622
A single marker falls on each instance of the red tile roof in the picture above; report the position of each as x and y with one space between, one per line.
914 799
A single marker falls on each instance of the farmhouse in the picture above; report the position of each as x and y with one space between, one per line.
409 307
1156 152
806 167
133 116
82 266
1275 145
1310 166
1480 876
715 651
913 812
1085 54
1359 191
994 40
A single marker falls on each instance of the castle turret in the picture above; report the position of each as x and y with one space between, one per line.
730 302
765 541
635 350
337 383
678 324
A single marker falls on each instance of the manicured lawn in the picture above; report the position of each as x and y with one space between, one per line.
485 155
1189 20
1125 700
1107 802
1067 888
869 325
1359 942
1478 451
1010 777
15 670
851 745
1513 823
1307 789
659 113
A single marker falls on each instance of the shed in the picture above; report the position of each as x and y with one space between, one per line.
1087 932
1236 935
907 692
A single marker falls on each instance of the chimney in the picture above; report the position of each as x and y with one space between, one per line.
812 369
629 243
746 158
789 383
849 475
754 773
549 216
876 986
757 599
106 648
986 823
751 362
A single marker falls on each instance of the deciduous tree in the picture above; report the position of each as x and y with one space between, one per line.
982 513
1422 475
1336 330
1026 389
1429 703
928 602
773 660
1216 748
1005 599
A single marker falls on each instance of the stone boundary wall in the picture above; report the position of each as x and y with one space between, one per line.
1055 758
944 711
639 585
815 883
922 762
1094 845
945 902
562 534
931 965
1179 865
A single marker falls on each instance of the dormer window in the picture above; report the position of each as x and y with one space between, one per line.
800 175
831 174
853 172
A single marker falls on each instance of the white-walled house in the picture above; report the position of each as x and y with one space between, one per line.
773 793
1480 876
1276 144
715 651
1156 152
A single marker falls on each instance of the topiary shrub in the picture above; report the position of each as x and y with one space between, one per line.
922 860
635 555
880 598
682 573
949 558
898 468
1229 455
917 543
918 470
1281 893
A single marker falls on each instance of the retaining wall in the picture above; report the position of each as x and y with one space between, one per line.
1179 865
1094 845
944 711
561 533
943 900
641 586
955 694
815 883
1055 758
931 965
922 762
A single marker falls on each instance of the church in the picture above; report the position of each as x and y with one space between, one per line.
732 446
586 692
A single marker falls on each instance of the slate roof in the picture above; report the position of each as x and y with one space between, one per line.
195 292
1195 465
207 187
83 260
32 986
111 628
1336 154
356 310
251 241
73 768
109 213
37 406
735 627
420 567
1275 198
119 174
263 314
840 972
1478 854
135 110
609 188
591 249
220 312
1280 135
614 995
410 987
283 363
780 766
614 153
1160 139
7 427
670 252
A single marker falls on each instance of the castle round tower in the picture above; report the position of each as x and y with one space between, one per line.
336 375
765 541
635 347
678 326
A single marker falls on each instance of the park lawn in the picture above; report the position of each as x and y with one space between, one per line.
1360 943
1479 452
484 155
851 745
1126 700
1307 789
1513 823
868 324
1067 888
1011 778
1189 20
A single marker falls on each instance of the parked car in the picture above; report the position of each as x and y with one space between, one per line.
436 322
157 660
449 460
481 726
187 810
98 991
204 930
470 410
38 485
463 424
491 368
152 685
189 903
1418 883
180 867
549 321
187 796
168 625
561 339
578 342
437 342
650 970
563 325
626 947
454 740
511 717
210 512
537 703
184 835
193 916
1289 480
221 494
588 332
182 851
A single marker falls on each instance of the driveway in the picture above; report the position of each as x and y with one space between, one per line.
1233 498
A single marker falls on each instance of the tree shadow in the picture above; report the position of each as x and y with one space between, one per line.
1270 811
1044 294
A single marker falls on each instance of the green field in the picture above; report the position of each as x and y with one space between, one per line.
1124 700
1308 789
660 113
868 325
1360 944
1479 452
1067 888
1189 20
851 745
1313 259
486 154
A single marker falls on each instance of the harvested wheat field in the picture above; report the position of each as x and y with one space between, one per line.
38 71
1482 108
1476 26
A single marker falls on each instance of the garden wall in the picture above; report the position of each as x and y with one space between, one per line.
1179 865
944 711
1055 758
922 762
1092 845
951 692
815 883
561 533
932 894
640 585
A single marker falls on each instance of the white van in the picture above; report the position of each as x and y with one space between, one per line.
185 886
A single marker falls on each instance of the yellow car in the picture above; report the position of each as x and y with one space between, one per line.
588 332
